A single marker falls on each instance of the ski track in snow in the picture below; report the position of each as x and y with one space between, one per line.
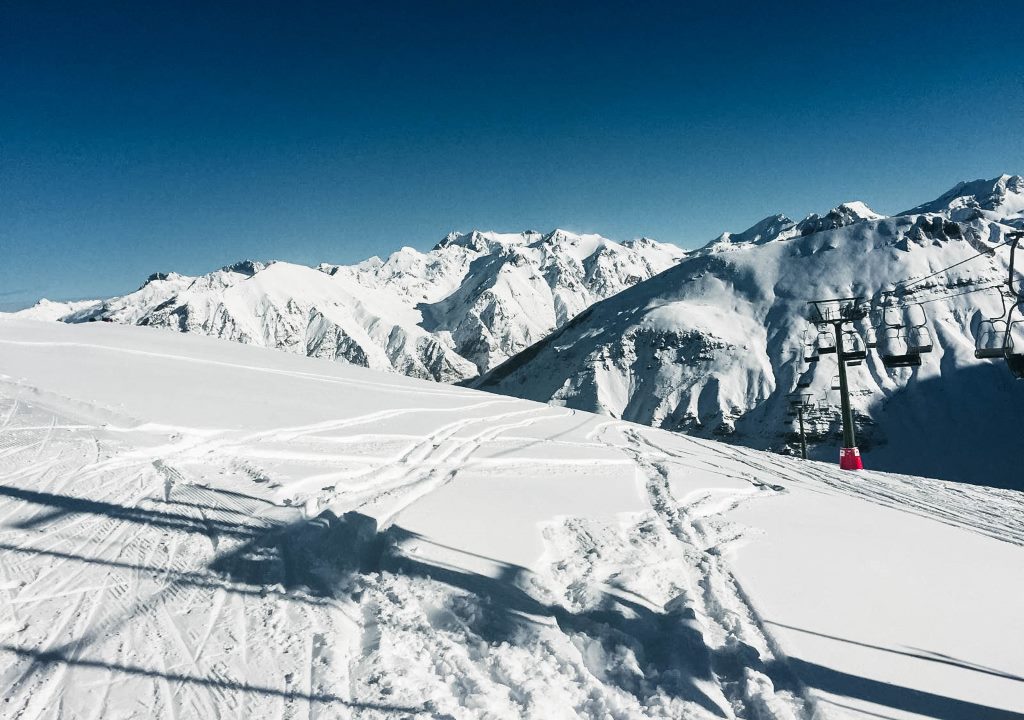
176 582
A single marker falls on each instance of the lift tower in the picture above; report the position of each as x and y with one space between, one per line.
836 314
799 404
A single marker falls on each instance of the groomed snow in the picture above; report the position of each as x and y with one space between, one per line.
196 528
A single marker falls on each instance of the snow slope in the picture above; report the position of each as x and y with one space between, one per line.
712 347
1000 198
196 528
472 302
51 310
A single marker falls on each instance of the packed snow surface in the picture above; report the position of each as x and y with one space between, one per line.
197 528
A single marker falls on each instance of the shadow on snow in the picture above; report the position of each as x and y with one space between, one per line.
318 560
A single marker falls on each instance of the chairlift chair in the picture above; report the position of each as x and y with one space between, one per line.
891 317
810 349
919 338
853 346
894 350
1013 350
893 345
1016 290
991 337
991 340
835 382
825 343
798 401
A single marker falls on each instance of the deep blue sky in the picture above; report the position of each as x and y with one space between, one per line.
137 137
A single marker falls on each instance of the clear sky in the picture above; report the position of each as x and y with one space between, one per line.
148 136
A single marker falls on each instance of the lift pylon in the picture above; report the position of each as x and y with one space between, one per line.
838 313
799 404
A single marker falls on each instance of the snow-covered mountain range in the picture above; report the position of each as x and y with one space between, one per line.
473 301
713 346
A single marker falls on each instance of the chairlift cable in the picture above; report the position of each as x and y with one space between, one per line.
946 297
905 284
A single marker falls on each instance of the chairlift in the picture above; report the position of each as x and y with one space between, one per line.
1013 350
805 374
990 340
810 353
1016 290
825 343
919 338
904 336
853 346
798 402
1013 343
895 351
892 317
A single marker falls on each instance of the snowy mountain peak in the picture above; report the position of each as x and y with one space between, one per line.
780 227
558 235
646 245
641 242
1003 196
246 267
840 216
857 209
770 228
483 241
160 277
